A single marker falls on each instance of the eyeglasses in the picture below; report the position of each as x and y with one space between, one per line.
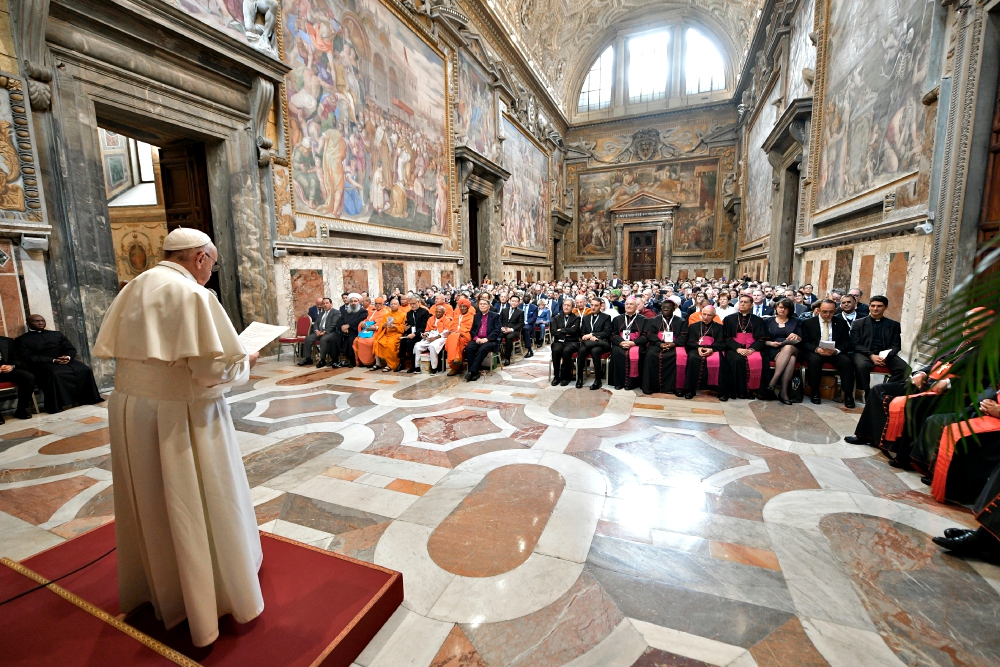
217 263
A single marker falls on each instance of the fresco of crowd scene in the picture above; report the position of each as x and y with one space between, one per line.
474 110
691 184
366 117
526 192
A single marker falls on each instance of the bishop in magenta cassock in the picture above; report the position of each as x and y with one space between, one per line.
745 337
706 345
185 528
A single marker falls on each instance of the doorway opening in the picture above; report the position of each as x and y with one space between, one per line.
474 269
555 259
789 218
641 255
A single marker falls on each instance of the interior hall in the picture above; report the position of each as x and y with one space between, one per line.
500 333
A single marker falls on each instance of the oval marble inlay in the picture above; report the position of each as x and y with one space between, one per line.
575 404
796 423
495 528
77 443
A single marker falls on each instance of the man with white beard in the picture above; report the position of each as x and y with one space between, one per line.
354 314
185 530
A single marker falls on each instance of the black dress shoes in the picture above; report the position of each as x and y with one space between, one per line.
723 398
321 364
978 544
564 383
305 362
413 369
22 414
529 354
785 401
555 381
471 377
505 362
957 532
597 385
849 402
618 388
579 384
855 440
689 395
816 399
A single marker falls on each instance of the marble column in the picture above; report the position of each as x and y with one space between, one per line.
667 229
619 248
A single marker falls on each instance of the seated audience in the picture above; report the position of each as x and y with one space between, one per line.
666 356
595 340
877 342
628 346
486 333
782 347
416 325
325 331
745 335
511 323
51 358
353 315
761 308
566 327
458 335
827 340
432 340
387 337
706 346
530 312
367 328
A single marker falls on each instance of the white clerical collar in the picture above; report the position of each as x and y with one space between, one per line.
178 268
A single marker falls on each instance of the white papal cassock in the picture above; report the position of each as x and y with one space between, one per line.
185 527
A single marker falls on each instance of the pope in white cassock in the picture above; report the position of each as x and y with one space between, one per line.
185 530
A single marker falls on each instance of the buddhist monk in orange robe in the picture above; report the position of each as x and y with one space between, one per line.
365 341
387 337
459 336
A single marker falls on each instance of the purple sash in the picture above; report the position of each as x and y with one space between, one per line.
754 363
711 361
633 356
680 362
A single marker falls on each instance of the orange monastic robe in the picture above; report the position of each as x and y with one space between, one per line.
387 338
460 327
363 346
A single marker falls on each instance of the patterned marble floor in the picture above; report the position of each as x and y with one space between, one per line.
540 526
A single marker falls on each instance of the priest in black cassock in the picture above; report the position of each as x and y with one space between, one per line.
706 347
666 357
595 340
51 357
628 345
745 337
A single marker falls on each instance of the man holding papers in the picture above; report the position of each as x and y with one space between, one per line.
185 529
827 340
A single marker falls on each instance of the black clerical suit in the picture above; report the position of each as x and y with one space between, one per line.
739 367
659 373
351 321
416 324
512 318
696 374
622 328
326 330
22 379
843 361
565 342
64 385
870 337
599 325
475 352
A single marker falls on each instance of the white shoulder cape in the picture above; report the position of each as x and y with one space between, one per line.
164 314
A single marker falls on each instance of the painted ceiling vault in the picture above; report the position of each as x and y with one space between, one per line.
555 34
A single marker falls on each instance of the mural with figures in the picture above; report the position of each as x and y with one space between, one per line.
366 115
873 119
691 183
224 15
759 172
474 109
802 53
526 193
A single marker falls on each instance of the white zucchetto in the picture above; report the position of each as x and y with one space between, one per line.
183 238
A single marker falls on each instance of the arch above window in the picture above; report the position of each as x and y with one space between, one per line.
650 69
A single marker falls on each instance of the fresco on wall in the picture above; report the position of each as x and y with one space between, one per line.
393 278
873 119
474 110
759 173
526 193
366 115
223 15
693 184
801 51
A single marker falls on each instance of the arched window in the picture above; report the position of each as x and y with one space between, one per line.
704 70
648 66
596 91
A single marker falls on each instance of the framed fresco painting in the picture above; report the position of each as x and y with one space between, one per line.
526 193
368 121
868 117
475 109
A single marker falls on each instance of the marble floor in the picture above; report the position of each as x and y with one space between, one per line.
539 526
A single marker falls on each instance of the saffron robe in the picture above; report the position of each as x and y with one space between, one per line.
386 345
459 336
364 347
185 528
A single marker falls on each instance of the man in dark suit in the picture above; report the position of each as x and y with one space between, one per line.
316 311
344 298
326 332
848 311
595 340
761 308
827 340
858 294
872 336
616 282
416 324
511 324
530 311
565 330
11 371
485 334
354 315
51 358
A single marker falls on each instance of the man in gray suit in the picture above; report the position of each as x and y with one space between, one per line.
326 331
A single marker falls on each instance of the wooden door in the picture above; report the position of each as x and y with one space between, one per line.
989 221
184 177
641 255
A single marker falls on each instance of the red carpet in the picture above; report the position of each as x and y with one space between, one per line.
320 608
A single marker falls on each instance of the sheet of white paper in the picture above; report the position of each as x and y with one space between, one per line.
827 344
885 353
258 334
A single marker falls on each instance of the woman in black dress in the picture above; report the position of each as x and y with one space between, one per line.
782 349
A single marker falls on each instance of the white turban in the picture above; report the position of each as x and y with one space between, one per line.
183 238
354 295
